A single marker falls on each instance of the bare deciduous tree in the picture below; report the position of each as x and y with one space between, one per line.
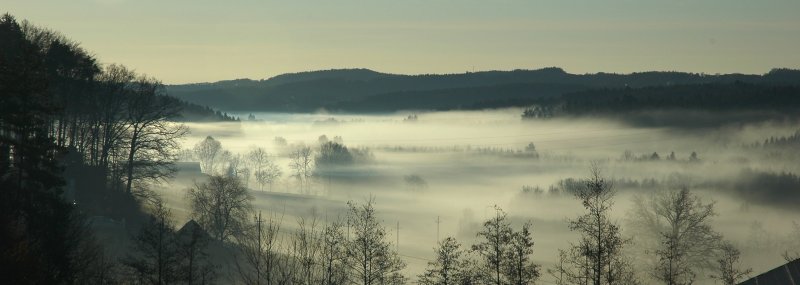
264 169
728 269
302 166
597 259
208 151
257 159
258 248
221 206
305 251
152 140
269 174
333 254
793 253
115 81
679 221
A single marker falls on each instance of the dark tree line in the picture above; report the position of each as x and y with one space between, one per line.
60 110
781 142
42 237
737 96
115 119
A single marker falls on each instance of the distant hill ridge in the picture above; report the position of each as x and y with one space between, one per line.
359 89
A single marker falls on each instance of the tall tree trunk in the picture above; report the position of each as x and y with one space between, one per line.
131 154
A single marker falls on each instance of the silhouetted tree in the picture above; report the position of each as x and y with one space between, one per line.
728 271
415 182
114 88
257 159
208 151
332 154
654 156
221 205
152 140
258 244
280 141
680 222
269 174
793 252
302 165
369 255
530 147
333 254
264 169
506 253
448 267
519 269
323 139
154 258
496 235
597 258
305 251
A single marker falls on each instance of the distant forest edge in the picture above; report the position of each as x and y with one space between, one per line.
363 90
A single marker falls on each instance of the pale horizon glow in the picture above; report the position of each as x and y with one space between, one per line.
204 41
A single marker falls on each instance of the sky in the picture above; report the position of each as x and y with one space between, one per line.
184 41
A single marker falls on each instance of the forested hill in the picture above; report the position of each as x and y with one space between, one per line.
365 90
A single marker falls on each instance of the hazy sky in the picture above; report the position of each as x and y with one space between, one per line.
182 41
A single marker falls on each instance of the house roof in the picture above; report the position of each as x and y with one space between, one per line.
788 273
190 227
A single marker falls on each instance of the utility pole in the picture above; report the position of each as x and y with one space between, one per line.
398 236
437 228
258 260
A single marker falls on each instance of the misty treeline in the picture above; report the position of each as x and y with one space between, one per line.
774 142
70 126
526 152
259 167
752 185
779 99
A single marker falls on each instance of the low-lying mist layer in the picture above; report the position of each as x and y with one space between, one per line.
440 174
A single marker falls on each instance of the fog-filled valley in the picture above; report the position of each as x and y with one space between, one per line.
334 176
439 174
